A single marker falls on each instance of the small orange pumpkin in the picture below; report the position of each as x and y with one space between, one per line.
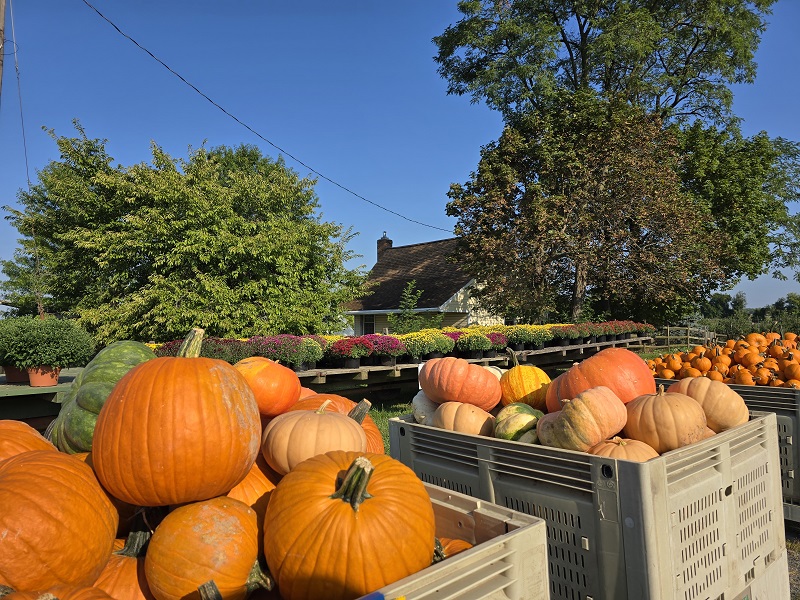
524 383
274 386
625 449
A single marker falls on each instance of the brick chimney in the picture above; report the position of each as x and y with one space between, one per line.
384 243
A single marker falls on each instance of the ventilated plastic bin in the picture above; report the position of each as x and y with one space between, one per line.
701 522
508 560
785 403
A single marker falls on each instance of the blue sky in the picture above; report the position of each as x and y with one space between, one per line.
348 87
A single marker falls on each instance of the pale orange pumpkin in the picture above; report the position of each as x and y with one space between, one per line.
584 421
666 420
295 436
625 449
463 418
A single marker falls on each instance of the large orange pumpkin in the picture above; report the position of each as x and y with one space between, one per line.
665 420
17 437
176 430
275 387
57 526
376 528
344 405
618 369
724 408
452 379
214 539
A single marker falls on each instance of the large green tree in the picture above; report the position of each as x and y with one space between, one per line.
583 204
676 59
671 63
226 239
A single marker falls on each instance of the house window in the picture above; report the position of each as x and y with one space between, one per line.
368 324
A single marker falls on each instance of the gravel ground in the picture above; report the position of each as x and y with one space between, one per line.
793 553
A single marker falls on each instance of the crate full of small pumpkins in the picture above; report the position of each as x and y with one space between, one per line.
646 489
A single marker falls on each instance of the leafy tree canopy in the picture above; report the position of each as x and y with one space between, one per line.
675 58
583 203
226 239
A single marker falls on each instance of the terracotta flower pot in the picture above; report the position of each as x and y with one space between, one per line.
15 374
43 376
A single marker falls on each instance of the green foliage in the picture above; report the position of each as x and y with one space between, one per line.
473 340
33 342
226 238
528 221
408 320
676 59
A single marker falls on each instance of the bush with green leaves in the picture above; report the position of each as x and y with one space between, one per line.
53 342
473 340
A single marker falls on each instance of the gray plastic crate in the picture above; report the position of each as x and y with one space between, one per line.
785 403
704 522
508 560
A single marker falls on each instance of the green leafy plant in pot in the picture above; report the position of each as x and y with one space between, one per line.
9 332
45 346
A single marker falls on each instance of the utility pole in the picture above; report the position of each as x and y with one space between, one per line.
2 42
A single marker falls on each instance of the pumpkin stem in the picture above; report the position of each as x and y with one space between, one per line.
438 551
513 356
209 591
353 489
359 411
259 578
5 591
135 544
190 348
324 405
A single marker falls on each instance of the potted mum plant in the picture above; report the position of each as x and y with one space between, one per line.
350 350
499 344
8 333
45 346
472 344
386 349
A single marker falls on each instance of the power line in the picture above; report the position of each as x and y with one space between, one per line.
253 131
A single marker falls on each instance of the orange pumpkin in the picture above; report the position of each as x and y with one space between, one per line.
453 546
17 437
274 386
176 430
214 539
618 369
625 449
255 489
380 515
584 421
452 379
295 436
666 420
62 593
123 576
57 526
306 392
463 418
344 405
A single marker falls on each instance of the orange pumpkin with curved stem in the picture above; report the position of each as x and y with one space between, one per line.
665 420
176 430
379 515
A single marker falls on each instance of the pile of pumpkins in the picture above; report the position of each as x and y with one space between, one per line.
767 358
179 477
606 405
